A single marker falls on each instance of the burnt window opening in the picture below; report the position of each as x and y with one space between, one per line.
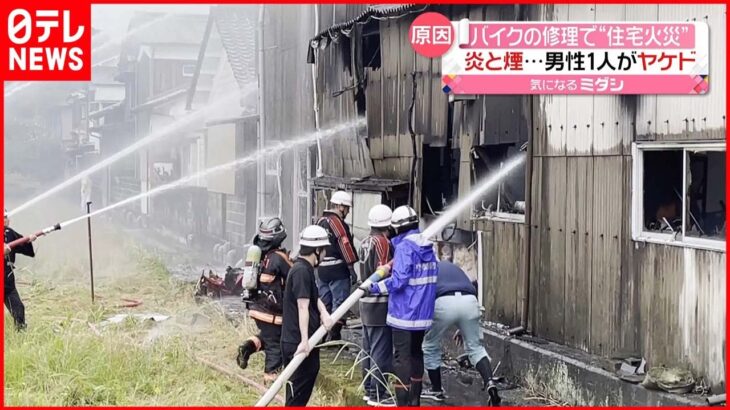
371 44
441 178
683 193
509 195
662 188
346 47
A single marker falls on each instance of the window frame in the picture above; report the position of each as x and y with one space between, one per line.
191 74
638 232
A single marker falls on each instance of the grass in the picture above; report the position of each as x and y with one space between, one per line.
69 357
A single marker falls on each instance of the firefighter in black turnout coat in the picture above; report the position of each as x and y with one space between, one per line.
266 309
12 298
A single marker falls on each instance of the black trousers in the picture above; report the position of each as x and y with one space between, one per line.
270 337
301 383
408 357
12 301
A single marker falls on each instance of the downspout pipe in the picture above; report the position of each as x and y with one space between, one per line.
314 96
528 221
262 116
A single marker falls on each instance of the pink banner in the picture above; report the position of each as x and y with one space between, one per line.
575 84
580 36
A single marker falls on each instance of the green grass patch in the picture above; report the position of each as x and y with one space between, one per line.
69 357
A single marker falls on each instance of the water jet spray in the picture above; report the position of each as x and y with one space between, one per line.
149 139
249 159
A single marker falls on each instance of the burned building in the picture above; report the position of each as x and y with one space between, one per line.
610 239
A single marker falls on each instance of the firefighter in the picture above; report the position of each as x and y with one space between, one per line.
266 309
303 313
456 304
336 273
377 343
12 298
412 291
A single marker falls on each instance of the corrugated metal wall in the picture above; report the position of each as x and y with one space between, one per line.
502 244
344 155
592 286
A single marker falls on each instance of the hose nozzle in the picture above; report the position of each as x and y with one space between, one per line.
56 227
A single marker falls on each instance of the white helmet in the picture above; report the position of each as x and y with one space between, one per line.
341 198
314 236
379 216
402 216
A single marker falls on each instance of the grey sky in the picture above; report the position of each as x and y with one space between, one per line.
114 19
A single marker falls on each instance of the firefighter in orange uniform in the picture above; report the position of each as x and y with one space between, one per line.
266 309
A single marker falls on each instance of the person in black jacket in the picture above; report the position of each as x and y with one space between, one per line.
267 307
12 297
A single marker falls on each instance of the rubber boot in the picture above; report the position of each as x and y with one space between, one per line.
402 396
244 352
435 377
485 370
415 393
493 392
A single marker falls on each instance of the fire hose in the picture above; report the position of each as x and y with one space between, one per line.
26 239
316 338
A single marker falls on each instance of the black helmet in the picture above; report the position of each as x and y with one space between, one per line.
271 234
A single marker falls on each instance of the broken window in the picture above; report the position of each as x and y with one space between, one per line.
441 178
679 193
371 44
705 194
508 199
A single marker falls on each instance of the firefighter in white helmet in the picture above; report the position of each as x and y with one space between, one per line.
336 273
303 313
411 290
377 342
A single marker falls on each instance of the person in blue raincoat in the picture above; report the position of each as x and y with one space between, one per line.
412 293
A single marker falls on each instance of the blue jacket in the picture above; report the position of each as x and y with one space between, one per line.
412 283
453 279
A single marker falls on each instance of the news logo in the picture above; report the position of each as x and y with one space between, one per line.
46 41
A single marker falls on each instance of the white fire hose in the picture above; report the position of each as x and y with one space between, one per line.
315 339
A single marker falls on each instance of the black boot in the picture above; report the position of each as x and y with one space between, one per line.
415 394
244 352
485 370
493 392
435 377
436 392
402 396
